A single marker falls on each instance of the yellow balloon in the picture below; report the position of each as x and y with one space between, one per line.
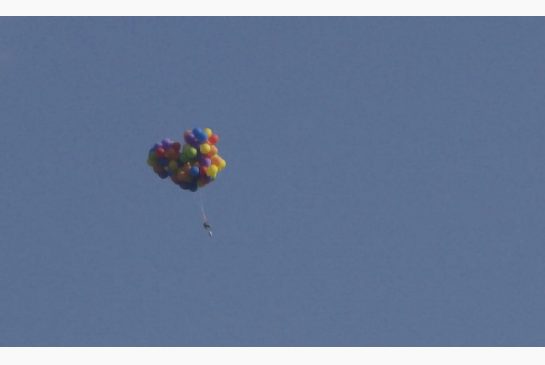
212 171
222 164
205 148
208 132
172 165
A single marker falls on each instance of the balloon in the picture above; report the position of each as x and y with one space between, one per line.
172 165
188 136
192 163
213 151
205 148
190 152
162 161
194 171
171 154
166 143
212 171
160 152
213 139
186 167
215 160
202 181
205 161
200 135
185 177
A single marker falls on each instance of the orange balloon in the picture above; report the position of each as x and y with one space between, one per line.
216 160
213 151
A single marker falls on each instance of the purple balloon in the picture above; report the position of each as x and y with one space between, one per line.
193 142
205 161
167 142
188 137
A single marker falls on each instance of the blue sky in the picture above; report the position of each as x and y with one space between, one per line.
384 183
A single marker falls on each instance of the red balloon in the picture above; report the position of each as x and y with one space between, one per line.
160 152
213 139
176 146
171 154
202 182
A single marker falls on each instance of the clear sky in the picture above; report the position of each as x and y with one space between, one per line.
384 187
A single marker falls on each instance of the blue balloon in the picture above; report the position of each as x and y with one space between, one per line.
200 135
194 171
162 161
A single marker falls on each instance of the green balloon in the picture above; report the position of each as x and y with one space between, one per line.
192 152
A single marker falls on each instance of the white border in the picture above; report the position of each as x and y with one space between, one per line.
273 355
272 8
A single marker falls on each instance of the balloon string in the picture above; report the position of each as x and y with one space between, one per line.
203 213
206 225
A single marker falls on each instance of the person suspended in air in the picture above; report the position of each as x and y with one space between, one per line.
191 165
208 228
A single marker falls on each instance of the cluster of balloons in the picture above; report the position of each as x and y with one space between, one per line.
192 165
